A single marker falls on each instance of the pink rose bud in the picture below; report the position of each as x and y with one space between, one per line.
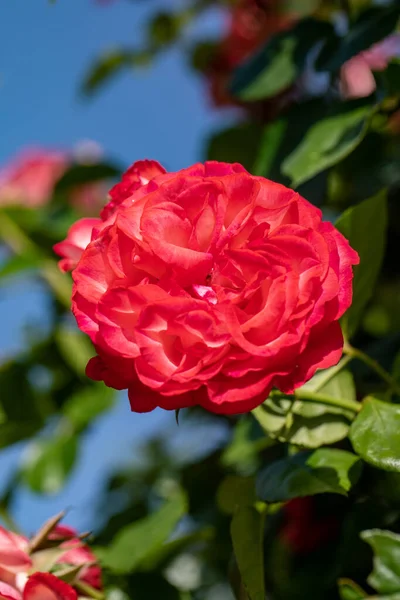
20 565
357 79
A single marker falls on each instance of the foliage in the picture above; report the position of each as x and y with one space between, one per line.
303 489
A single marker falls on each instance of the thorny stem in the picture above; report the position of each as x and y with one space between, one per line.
374 366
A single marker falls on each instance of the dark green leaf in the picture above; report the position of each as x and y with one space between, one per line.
325 470
375 434
17 264
242 452
276 66
17 394
237 144
385 577
270 142
236 492
87 404
365 227
202 55
372 26
110 65
74 347
164 28
49 462
171 549
82 174
135 543
348 590
326 143
247 533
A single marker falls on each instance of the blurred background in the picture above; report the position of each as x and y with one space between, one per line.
305 92
160 113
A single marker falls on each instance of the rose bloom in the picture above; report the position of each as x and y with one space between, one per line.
20 566
208 287
29 178
357 79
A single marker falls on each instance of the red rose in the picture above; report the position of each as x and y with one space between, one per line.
79 236
210 286
250 24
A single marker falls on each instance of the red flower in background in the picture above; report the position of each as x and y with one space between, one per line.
210 286
250 25
303 530
20 563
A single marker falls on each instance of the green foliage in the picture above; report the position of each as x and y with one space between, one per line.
365 227
247 539
326 143
279 62
375 434
385 577
371 26
49 462
325 470
136 543
307 423
188 517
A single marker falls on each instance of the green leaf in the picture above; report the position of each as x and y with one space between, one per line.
17 264
243 450
49 462
365 227
310 424
375 434
82 174
385 577
300 9
87 404
276 66
325 470
136 542
372 26
326 143
348 590
236 144
269 145
108 66
176 546
247 533
235 492
75 348
164 28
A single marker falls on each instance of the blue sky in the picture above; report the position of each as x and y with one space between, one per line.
162 113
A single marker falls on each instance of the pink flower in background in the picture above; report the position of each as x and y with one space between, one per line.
357 79
29 179
210 286
20 566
